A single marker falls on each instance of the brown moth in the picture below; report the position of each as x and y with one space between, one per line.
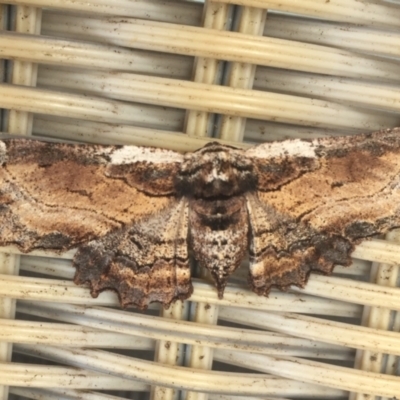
133 212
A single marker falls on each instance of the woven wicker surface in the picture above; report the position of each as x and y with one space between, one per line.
171 74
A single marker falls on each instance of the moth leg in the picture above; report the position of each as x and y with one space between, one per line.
144 263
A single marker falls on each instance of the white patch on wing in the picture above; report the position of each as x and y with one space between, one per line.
288 148
132 154
3 153
257 268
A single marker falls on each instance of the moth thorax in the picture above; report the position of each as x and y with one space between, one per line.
218 174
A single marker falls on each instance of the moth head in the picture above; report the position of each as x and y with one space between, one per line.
215 171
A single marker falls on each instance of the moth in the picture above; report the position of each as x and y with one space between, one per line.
133 213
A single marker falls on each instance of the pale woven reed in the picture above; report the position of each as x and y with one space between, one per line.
150 73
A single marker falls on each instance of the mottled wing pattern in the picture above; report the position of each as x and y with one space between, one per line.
58 196
315 200
146 262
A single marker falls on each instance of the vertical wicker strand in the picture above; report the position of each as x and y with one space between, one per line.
27 20
242 75
379 318
208 70
170 353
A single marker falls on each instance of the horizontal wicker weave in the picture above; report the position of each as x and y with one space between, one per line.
173 74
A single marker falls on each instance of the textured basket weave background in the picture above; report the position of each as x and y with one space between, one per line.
172 74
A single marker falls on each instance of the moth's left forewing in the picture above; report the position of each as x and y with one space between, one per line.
116 201
343 190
